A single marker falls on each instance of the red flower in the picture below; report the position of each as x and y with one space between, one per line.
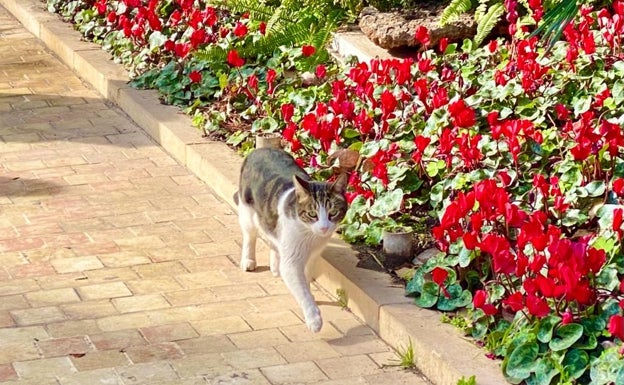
262 27
388 103
493 44
240 30
618 215
443 44
439 275
270 79
111 17
288 110
616 326
618 186
308 50
195 76
567 318
478 301
515 301
320 71
462 115
234 60
422 35
537 306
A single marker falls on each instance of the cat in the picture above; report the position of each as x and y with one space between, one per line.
278 201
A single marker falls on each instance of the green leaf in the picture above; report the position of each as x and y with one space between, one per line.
575 363
546 328
459 298
522 360
596 188
429 295
387 204
566 336
545 371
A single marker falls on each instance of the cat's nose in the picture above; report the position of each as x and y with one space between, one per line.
324 229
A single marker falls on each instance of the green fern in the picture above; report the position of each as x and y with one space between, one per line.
481 10
290 23
455 9
488 22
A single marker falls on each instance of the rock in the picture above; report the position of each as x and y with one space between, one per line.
396 29
425 255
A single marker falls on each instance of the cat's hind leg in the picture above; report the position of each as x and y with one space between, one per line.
250 234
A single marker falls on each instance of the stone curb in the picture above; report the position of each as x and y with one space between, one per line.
440 352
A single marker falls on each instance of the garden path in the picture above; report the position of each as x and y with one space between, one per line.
118 266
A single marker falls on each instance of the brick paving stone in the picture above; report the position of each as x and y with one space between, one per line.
225 325
154 352
100 360
7 373
309 350
140 303
44 368
118 266
349 366
65 346
258 338
300 372
147 373
117 340
253 358
168 333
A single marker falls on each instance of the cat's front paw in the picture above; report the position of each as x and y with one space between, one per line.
247 264
314 322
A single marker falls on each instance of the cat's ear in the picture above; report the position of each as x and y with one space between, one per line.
302 188
340 184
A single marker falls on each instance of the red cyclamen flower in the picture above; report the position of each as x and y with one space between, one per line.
195 76
422 35
308 50
234 60
616 326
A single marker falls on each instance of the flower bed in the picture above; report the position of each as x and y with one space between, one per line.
515 150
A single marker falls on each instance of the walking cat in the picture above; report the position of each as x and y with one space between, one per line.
278 201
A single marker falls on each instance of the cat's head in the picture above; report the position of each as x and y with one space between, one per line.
321 205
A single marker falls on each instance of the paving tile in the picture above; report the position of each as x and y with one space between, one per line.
100 360
147 373
306 351
138 303
349 366
44 368
19 351
7 373
238 377
300 372
73 328
258 338
253 358
104 290
40 315
353 345
206 345
117 340
397 377
260 320
92 377
52 297
225 325
60 347
154 352
168 333
71 265
201 365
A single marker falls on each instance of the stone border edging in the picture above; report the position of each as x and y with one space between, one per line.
441 353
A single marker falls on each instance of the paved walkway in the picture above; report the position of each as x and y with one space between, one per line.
118 266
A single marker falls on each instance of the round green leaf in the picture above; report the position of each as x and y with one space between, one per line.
546 328
575 362
566 336
429 295
596 188
522 360
545 371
